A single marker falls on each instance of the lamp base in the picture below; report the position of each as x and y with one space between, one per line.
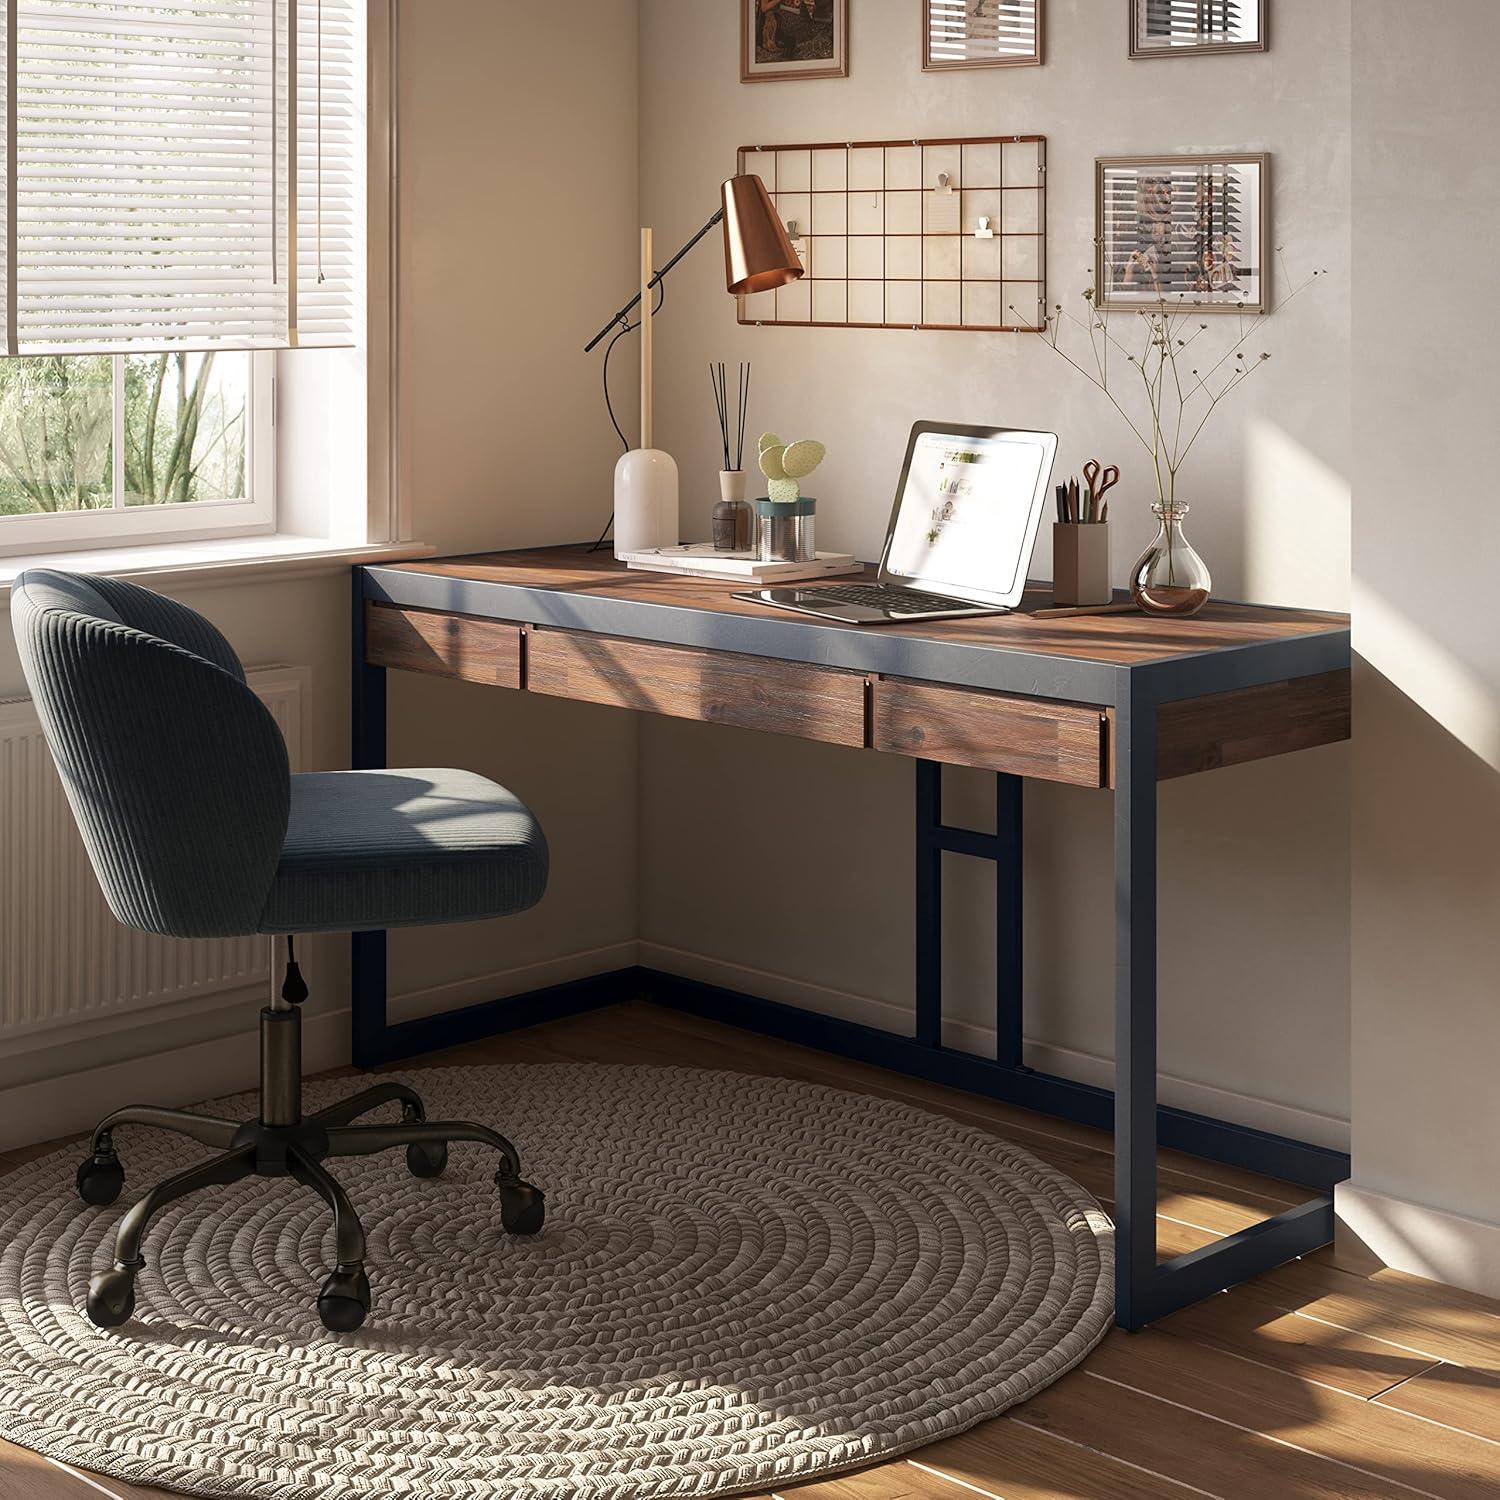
645 501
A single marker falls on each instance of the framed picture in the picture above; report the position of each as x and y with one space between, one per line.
1183 230
793 39
1193 28
981 34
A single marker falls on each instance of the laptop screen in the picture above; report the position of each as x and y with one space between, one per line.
967 512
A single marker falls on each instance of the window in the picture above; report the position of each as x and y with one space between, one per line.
179 186
96 448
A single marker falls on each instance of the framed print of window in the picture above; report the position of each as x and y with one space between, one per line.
981 34
1189 230
1191 28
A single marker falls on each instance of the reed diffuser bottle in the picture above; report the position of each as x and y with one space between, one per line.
733 517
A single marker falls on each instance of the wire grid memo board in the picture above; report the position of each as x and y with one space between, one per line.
945 233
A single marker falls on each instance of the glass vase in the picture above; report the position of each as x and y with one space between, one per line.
1169 578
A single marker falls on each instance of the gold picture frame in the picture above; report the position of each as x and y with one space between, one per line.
792 26
982 34
1202 45
1185 231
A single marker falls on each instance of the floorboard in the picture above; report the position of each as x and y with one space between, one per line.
1451 1394
1311 1382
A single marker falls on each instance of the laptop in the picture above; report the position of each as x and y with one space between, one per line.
961 532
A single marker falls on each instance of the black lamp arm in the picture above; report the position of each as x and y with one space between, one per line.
624 313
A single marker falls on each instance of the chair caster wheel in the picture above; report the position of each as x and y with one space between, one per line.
522 1206
426 1159
344 1302
111 1298
100 1178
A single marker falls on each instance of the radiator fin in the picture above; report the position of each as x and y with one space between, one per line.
64 960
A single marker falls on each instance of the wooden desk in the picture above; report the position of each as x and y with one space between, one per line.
1116 703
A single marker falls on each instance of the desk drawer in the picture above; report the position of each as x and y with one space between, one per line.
719 687
965 727
462 646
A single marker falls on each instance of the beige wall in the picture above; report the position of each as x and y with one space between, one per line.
1255 868
518 224
1426 893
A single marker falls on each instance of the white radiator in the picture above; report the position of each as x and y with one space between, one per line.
64 960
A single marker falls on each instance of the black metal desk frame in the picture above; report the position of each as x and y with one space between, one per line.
1145 1290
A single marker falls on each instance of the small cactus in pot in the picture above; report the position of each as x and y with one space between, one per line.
785 465
784 520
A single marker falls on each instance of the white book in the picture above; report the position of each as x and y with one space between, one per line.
700 560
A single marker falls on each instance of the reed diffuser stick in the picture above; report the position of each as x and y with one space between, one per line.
720 410
739 450
731 423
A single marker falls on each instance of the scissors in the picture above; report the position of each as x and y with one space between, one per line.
1100 481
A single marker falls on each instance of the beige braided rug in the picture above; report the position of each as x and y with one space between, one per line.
742 1282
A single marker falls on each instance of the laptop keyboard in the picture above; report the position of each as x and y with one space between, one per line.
893 600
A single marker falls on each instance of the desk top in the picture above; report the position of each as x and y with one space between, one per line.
1084 657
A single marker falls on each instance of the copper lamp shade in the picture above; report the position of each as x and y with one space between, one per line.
758 256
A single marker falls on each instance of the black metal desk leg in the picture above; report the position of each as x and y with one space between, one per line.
1135 1008
367 753
929 976
1009 936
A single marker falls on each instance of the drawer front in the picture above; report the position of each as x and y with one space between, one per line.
964 727
462 646
719 687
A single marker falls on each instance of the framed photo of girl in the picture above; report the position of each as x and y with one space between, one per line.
793 39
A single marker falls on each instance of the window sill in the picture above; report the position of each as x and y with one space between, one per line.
245 559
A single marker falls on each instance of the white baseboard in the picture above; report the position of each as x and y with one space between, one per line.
413 1004
1084 1067
71 1102
1421 1241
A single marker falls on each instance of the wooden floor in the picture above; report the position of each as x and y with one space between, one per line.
1313 1381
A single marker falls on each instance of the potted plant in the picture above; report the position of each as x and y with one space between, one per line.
784 519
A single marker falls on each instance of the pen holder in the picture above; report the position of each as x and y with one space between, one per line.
1080 563
784 532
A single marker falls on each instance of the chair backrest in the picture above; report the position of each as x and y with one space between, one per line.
176 772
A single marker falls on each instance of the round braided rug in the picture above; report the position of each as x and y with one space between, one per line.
742 1282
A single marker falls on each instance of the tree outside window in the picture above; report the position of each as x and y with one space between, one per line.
181 420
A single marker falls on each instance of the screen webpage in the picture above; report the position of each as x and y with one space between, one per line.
965 516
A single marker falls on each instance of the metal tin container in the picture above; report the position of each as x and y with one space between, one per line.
784 533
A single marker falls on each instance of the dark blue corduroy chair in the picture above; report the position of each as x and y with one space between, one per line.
179 782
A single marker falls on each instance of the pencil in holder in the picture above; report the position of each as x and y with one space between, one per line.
1080 563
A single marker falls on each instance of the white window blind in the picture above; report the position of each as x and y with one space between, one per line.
178 175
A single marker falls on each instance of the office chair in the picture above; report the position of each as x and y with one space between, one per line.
178 780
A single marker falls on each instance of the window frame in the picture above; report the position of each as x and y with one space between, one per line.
128 525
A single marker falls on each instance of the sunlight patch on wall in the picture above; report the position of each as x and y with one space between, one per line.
1297 527
1438 682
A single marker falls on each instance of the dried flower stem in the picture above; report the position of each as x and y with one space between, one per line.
1179 406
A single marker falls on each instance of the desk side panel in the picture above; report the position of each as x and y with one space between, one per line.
1229 729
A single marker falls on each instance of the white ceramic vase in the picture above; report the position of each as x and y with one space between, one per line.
645 501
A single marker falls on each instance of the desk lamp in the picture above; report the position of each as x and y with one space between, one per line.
758 256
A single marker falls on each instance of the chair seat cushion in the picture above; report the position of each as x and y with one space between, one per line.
369 849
